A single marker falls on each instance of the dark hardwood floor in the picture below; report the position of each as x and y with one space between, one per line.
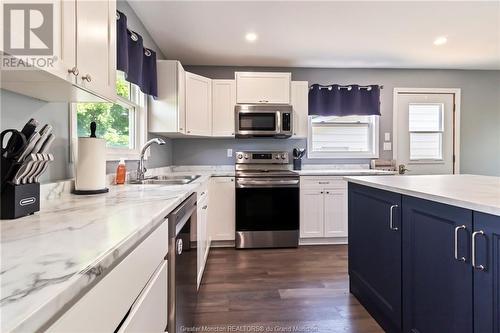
280 290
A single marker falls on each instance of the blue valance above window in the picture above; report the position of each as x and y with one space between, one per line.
137 62
337 100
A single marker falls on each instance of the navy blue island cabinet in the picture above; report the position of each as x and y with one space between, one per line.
419 266
486 263
374 224
437 270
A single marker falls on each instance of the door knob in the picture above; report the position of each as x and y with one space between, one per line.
403 169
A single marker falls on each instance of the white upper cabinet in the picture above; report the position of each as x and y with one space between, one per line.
96 46
167 113
263 87
300 104
223 102
198 105
84 47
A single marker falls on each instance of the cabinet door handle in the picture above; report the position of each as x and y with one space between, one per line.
391 218
263 101
87 77
323 183
205 207
474 234
456 242
74 71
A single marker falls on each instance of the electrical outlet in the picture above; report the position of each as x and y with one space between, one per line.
387 146
229 153
387 136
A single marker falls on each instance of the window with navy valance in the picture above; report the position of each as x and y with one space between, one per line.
137 62
337 100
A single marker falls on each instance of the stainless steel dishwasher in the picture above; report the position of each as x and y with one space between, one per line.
182 261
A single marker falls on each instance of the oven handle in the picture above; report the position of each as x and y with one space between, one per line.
248 183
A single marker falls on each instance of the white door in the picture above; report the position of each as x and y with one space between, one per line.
198 105
335 213
96 46
223 102
424 132
311 213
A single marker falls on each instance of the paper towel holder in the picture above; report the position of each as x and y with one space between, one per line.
93 128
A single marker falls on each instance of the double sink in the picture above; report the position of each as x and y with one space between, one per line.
167 180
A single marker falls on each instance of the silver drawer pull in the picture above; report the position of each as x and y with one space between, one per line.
474 234
456 242
391 218
323 183
205 207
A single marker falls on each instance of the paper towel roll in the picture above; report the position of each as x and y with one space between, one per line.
91 164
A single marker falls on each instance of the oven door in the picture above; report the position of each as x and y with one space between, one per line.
257 123
267 204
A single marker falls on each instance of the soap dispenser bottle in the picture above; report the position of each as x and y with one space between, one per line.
121 172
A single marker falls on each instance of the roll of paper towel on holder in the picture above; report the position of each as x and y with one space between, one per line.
91 164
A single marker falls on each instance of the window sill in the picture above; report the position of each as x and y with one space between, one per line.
341 155
116 155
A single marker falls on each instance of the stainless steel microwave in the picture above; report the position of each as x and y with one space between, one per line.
257 120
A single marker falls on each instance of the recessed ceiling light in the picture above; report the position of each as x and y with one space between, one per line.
440 41
251 37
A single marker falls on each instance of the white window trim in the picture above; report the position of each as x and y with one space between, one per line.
374 153
140 131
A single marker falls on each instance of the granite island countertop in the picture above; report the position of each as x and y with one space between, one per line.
50 259
479 193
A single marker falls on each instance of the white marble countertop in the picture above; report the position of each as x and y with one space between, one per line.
479 193
50 258
343 172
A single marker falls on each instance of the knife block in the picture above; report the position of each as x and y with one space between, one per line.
19 200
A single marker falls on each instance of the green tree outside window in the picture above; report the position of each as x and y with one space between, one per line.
113 120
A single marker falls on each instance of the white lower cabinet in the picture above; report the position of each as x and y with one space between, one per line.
323 208
203 240
222 209
124 288
148 313
311 213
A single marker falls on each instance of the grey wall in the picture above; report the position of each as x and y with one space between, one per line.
17 109
480 112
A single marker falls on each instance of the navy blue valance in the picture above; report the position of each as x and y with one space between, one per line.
137 62
338 100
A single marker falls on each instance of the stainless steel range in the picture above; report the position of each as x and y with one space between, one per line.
267 200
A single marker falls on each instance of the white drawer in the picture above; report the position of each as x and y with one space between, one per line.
104 306
149 312
323 182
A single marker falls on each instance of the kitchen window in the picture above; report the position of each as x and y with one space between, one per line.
426 131
343 137
122 124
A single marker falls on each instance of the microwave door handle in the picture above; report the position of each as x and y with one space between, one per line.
278 122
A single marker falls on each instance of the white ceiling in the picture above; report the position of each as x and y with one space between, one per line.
326 34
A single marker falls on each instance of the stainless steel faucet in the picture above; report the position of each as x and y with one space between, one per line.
141 169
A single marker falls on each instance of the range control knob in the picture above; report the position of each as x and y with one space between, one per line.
246 156
277 156
240 156
283 156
